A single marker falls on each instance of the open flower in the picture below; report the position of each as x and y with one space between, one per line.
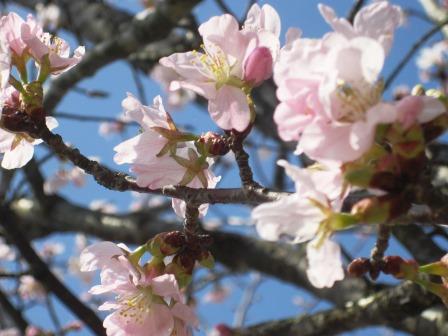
330 89
26 38
18 148
146 303
308 214
144 147
232 62
50 52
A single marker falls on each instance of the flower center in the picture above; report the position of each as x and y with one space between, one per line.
54 43
136 307
357 99
215 64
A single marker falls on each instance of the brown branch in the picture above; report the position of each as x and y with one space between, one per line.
354 10
41 272
238 253
387 307
122 182
15 315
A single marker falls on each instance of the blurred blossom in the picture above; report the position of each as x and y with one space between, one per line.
236 220
212 224
6 252
436 55
75 175
103 206
48 15
50 250
217 295
31 289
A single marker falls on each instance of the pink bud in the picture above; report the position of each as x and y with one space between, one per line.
258 66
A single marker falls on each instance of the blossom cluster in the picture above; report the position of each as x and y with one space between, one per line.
330 94
147 300
21 41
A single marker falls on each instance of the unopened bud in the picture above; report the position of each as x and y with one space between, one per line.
215 143
400 268
166 244
359 267
258 66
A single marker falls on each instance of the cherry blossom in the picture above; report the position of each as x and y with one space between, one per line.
145 302
11 31
307 215
330 89
28 37
377 21
144 147
218 73
324 263
18 148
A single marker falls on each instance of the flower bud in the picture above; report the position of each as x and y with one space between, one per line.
166 244
215 143
258 66
400 268
359 267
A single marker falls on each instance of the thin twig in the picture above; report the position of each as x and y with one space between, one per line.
79 117
415 47
121 182
377 253
354 10
13 313
247 300
224 8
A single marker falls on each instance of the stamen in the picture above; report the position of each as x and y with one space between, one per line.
357 99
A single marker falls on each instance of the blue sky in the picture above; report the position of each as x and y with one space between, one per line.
273 299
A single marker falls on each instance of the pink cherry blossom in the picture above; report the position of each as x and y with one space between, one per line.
144 147
11 31
155 160
324 263
217 73
179 206
377 21
421 109
145 303
18 148
295 218
57 50
301 217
